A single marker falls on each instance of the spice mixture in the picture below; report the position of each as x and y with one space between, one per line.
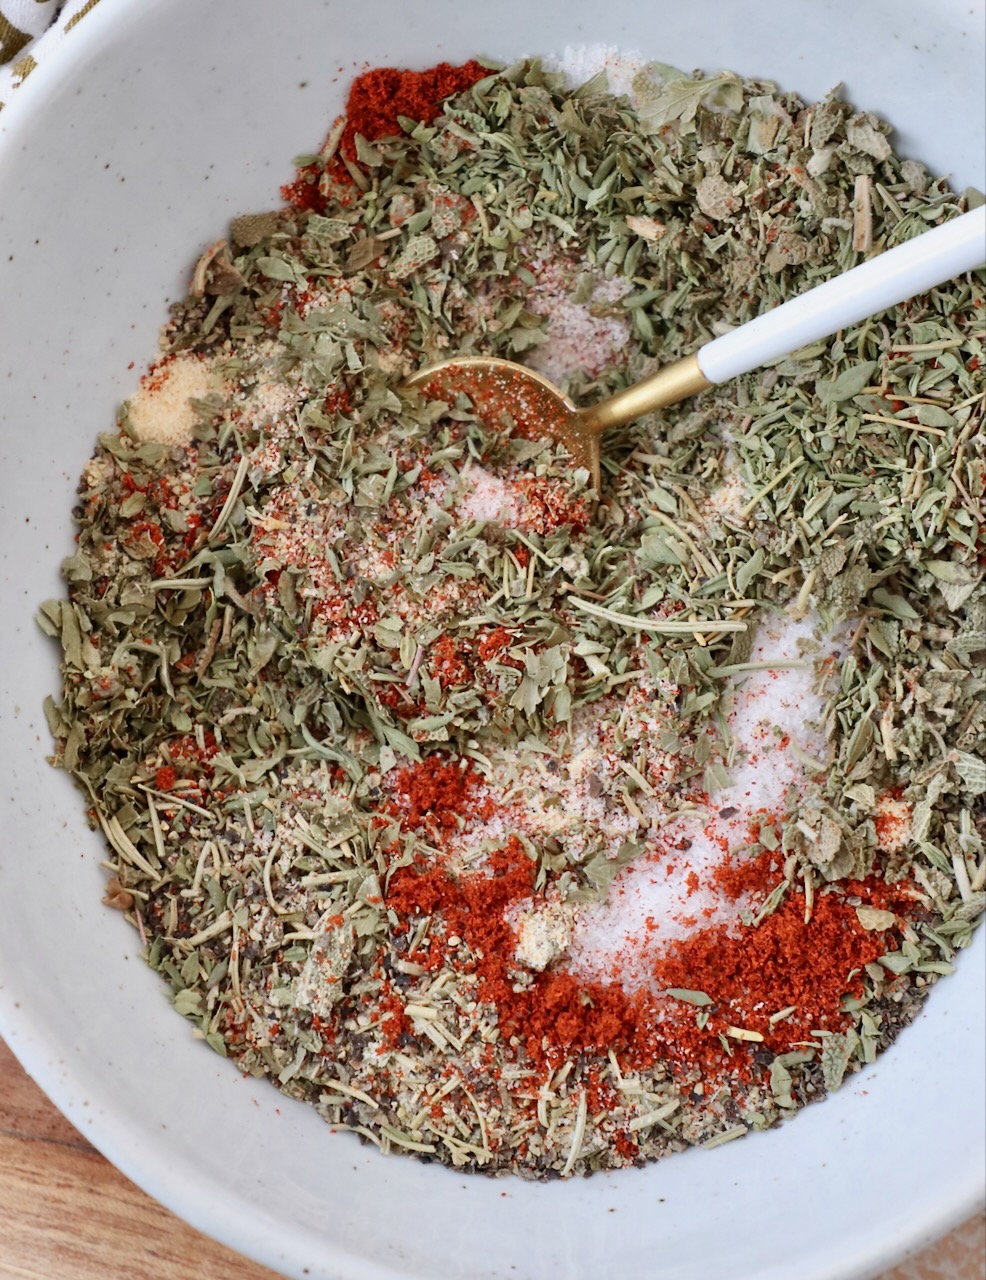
519 827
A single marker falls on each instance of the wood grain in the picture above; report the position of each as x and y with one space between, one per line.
67 1214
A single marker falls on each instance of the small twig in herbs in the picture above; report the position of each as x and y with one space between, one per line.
662 626
204 854
740 668
906 423
124 846
227 632
332 1083
331 144
209 652
170 799
178 584
571 588
578 1133
268 863
743 1033
415 666
961 875
946 344
525 542
862 212
729 1135
237 598
158 834
781 476
222 924
232 497
703 564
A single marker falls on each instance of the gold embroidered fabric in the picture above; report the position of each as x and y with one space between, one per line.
29 30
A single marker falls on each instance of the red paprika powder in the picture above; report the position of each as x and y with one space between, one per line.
748 974
377 100
436 793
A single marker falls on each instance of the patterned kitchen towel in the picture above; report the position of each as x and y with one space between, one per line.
29 30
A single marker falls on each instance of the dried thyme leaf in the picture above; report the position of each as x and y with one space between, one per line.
849 383
836 1053
690 997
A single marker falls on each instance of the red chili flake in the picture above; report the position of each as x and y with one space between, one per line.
493 642
447 664
376 101
436 792
165 778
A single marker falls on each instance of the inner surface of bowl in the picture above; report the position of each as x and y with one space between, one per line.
123 158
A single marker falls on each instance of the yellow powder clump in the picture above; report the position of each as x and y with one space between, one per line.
161 409
544 935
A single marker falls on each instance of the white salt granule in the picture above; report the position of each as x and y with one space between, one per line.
652 903
488 498
161 409
771 710
580 63
577 341
668 893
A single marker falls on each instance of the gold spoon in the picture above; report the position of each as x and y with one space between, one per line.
501 387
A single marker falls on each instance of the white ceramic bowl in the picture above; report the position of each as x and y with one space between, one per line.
121 157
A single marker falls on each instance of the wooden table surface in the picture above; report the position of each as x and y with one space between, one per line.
67 1214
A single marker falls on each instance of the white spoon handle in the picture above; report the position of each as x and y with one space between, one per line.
900 273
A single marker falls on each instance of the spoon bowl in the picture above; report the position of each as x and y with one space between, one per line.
503 392
508 394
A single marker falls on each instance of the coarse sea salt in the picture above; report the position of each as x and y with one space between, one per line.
489 497
669 892
579 63
580 337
